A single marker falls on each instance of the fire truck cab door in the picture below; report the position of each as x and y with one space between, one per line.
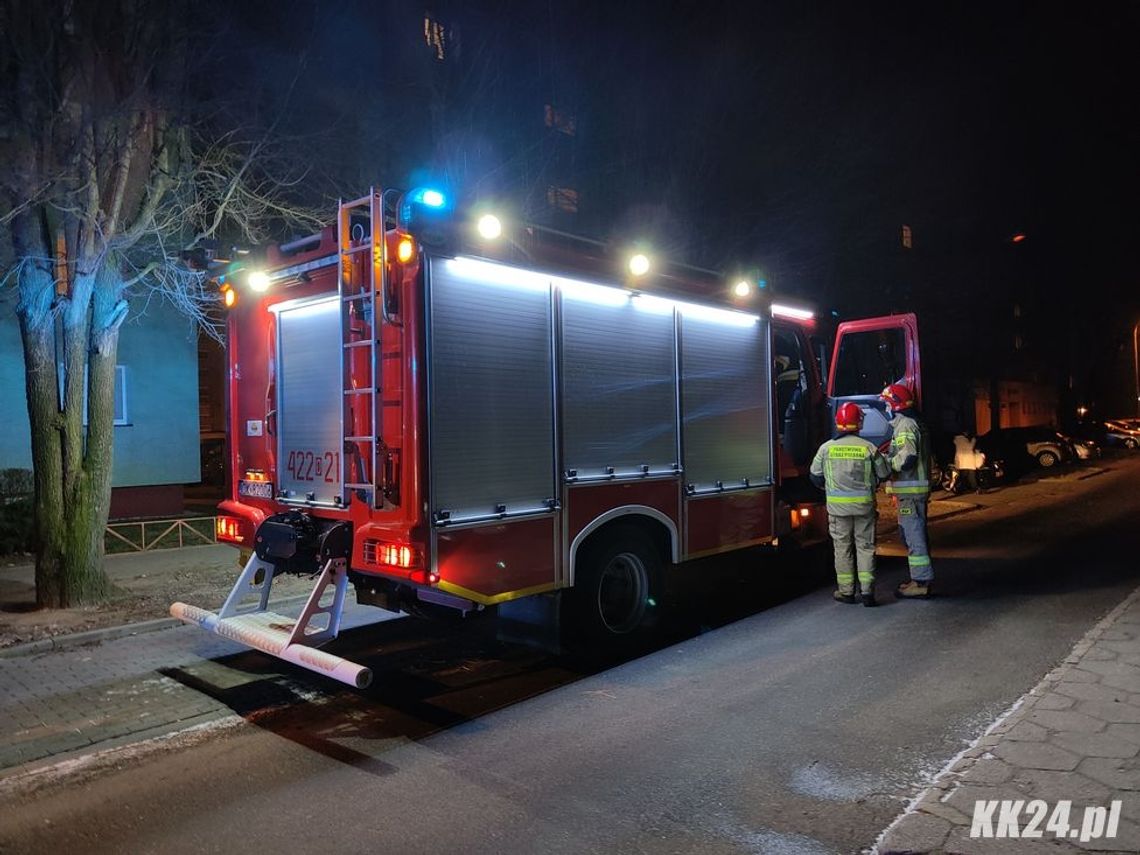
869 355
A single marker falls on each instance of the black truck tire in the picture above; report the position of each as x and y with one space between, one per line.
613 607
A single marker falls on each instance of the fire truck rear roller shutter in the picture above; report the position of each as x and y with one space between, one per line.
309 399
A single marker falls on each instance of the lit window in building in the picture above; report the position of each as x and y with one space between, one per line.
562 199
907 237
435 37
559 120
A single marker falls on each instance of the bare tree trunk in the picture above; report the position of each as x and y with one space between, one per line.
83 552
47 457
72 477
37 332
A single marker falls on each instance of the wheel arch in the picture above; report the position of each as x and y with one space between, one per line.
658 526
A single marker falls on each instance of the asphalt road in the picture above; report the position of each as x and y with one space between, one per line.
802 727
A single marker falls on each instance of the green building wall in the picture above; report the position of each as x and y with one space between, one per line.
159 444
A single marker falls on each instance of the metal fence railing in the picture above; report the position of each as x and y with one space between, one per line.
145 535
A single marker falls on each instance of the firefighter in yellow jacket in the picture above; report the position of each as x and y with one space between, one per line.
849 468
909 460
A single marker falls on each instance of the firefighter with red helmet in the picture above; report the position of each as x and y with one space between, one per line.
909 458
849 469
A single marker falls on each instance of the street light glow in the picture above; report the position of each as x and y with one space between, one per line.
742 289
639 264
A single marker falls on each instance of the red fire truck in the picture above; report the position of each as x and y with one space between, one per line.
443 412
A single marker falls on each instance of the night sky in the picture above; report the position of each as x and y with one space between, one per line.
796 138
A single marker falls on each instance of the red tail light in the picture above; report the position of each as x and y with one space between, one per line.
231 529
395 555
401 555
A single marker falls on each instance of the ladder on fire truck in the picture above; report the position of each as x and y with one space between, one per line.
362 289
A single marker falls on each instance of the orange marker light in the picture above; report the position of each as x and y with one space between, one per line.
405 249
229 297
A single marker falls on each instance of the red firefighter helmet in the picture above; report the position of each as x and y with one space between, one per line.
898 397
849 417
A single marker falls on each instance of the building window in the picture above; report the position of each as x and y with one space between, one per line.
435 37
121 395
121 415
562 199
560 121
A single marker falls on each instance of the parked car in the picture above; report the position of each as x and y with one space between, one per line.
1085 449
1120 432
1022 448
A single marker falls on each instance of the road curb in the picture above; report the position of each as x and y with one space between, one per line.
91 636
957 512
107 633
95 759
1092 473
1073 474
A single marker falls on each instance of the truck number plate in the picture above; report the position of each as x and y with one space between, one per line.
255 489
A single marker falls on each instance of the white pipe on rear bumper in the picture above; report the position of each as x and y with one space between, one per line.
253 631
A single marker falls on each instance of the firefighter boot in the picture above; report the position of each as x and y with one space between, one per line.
869 599
841 597
913 590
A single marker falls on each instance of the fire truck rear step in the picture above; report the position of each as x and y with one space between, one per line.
288 638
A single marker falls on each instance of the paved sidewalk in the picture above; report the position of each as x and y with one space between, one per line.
86 699
1075 736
